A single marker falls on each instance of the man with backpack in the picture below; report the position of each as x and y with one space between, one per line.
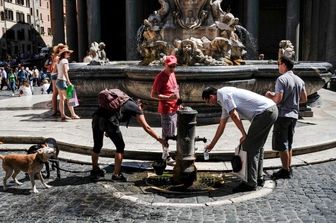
114 108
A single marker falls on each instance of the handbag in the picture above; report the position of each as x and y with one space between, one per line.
73 100
236 161
239 163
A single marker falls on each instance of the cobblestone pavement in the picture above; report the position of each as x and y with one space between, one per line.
308 197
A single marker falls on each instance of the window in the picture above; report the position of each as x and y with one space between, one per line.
28 3
2 16
10 34
29 35
42 30
28 19
19 2
49 32
9 15
21 34
48 18
20 17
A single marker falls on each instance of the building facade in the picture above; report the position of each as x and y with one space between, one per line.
25 28
309 25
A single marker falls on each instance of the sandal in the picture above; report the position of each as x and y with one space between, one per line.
65 118
75 117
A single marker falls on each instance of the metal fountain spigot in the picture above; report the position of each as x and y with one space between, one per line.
185 171
197 139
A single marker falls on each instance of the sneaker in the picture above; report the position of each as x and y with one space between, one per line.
96 174
261 182
243 187
120 178
281 174
170 161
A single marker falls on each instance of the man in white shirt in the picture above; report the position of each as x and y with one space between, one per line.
262 112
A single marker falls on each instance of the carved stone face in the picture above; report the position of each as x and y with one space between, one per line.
187 48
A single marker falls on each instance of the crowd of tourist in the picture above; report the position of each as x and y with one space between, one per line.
21 80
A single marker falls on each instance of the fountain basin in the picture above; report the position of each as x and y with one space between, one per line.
257 76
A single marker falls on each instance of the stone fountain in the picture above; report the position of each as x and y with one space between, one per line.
208 44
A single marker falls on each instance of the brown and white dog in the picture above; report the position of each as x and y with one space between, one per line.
29 163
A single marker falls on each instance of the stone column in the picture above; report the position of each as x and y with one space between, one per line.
57 21
83 44
293 24
94 20
252 19
71 28
331 33
133 22
319 30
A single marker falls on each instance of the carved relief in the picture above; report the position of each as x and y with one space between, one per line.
199 33
286 48
190 13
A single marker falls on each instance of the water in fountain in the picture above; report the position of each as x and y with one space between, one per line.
249 41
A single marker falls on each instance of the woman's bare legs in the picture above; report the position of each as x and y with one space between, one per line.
54 97
62 94
72 111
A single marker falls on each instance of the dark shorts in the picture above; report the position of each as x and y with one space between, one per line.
283 132
53 77
61 84
100 126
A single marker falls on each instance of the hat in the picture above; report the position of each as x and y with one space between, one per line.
171 59
64 50
58 47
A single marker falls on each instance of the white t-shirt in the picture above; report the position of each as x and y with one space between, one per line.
25 91
247 103
60 69
44 88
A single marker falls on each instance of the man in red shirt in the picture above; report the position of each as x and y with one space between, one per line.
166 90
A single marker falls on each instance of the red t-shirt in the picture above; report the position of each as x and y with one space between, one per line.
166 84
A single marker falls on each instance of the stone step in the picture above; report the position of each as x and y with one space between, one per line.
14 147
299 160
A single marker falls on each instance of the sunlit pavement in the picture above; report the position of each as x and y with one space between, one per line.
308 197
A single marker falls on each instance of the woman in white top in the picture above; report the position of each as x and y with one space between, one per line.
53 71
25 89
63 81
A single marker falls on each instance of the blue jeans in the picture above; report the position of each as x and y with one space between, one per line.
12 86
